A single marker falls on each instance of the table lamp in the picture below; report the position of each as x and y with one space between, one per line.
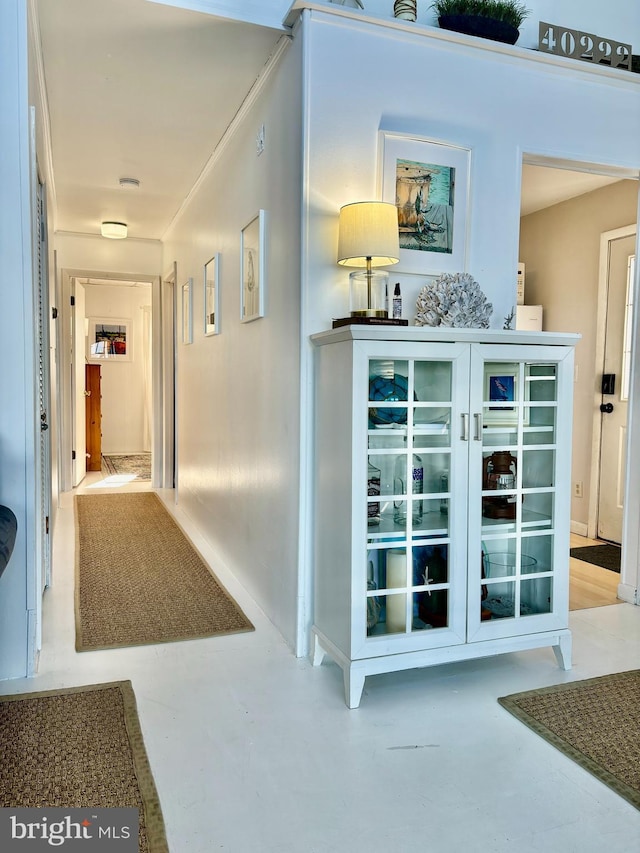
368 237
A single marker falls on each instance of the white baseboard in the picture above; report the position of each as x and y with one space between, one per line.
626 592
579 528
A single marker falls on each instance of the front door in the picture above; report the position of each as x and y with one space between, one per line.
614 405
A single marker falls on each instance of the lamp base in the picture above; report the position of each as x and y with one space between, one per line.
368 293
362 320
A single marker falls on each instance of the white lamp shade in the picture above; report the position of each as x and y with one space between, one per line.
368 230
114 230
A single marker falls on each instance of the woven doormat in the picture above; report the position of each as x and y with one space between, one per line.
140 581
80 747
606 556
594 722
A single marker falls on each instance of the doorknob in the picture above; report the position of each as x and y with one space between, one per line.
606 408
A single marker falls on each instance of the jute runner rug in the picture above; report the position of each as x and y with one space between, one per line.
139 580
595 722
79 748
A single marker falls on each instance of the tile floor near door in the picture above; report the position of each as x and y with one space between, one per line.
254 751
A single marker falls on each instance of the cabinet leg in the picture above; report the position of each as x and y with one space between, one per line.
318 652
563 652
353 687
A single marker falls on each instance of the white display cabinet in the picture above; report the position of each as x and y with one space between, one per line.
442 472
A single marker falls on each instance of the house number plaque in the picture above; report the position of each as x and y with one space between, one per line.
585 46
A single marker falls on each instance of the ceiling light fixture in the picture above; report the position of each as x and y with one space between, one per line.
129 183
114 230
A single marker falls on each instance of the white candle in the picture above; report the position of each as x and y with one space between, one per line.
396 577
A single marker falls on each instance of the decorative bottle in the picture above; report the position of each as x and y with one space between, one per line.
397 302
400 488
373 489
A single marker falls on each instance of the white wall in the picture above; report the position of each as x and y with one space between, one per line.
498 104
238 391
125 424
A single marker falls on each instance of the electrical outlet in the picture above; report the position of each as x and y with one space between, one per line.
577 489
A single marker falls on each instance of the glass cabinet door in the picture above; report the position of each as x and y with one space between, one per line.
411 459
516 430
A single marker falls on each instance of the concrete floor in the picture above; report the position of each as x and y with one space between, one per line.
254 751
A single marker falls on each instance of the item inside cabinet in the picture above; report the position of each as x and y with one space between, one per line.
431 566
499 472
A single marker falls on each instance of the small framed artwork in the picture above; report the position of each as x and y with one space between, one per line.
428 182
108 339
187 312
501 388
211 296
252 269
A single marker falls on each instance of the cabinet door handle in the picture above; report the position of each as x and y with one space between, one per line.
477 435
465 427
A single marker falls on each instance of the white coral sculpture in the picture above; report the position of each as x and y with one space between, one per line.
453 300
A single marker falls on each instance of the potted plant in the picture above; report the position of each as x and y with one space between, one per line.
493 19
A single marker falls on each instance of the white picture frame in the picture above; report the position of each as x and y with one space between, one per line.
108 339
501 387
429 183
253 268
187 312
211 296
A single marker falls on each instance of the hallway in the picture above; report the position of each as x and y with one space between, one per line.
254 750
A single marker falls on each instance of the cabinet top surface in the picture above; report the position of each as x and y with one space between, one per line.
438 334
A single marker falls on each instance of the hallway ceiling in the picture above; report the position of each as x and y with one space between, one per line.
140 89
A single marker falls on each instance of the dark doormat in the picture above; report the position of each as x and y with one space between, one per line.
607 556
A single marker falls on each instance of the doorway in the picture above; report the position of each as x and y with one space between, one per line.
96 303
560 248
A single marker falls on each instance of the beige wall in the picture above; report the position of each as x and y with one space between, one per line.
560 247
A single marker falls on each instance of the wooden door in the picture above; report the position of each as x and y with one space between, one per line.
93 417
